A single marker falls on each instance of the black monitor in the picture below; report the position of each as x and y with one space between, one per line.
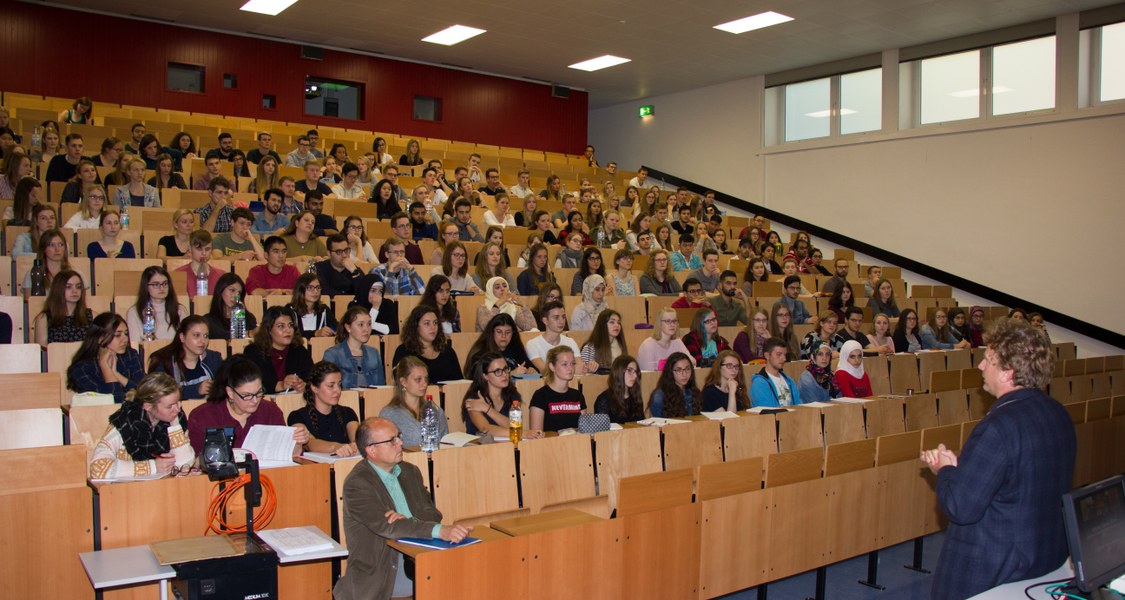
1095 531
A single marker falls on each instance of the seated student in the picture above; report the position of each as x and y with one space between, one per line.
200 254
422 337
817 384
213 164
502 216
270 221
874 276
491 264
725 387
300 238
360 363
694 296
708 274
156 290
621 281
276 276
64 317
223 295
958 324
165 177
553 319
420 227
658 278
797 310
606 341
655 350
936 334
216 215
90 209
536 276
398 275
771 387
438 296
331 426
188 359
851 331
323 225
311 183
683 226
136 192
382 310
906 332
609 233
238 400
105 362
314 318
768 253
279 352
622 399
825 333
489 398
410 402
749 343
179 243
676 394
685 259
238 243
592 305
730 303
703 340
348 188
880 338
883 300
840 300
501 336
109 246
147 435
86 177
556 405
850 376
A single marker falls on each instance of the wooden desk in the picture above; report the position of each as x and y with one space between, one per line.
484 533
547 521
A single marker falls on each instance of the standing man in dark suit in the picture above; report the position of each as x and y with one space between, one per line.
1003 494
384 499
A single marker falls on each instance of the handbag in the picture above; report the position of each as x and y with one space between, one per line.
594 423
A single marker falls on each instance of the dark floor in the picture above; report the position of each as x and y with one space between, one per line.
901 583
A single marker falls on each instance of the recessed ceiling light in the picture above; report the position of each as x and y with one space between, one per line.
758 21
267 7
601 62
453 35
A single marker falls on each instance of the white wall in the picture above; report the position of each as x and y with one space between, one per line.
1030 206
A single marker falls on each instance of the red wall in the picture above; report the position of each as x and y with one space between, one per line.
64 53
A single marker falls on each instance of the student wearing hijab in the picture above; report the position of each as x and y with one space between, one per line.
593 303
817 384
850 376
499 298
976 326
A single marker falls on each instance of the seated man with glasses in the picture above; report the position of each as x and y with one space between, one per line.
385 499
398 275
694 296
337 274
302 154
790 300
402 229
851 331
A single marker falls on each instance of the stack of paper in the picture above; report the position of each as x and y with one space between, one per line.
719 415
272 445
295 540
660 421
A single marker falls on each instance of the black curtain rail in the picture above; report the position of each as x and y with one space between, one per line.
1066 321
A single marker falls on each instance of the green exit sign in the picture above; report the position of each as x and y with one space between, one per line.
646 111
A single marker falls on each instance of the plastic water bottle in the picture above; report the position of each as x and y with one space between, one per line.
515 423
311 267
238 319
201 283
601 237
37 139
125 215
148 323
38 277
429 429
392 284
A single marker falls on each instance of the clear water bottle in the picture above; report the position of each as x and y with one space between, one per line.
311 267
601 237
430 429
38 277
515 423
392 285
201 283
37 139
238 319
148 323
125 215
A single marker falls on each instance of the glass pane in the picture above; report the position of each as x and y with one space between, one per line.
185 78
333 98
861 101
807 110
1113 62
951 87
1023 76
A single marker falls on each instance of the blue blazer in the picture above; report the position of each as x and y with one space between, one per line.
371 366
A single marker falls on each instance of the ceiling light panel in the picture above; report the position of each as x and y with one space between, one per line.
601 62
267 7
757 21
453 35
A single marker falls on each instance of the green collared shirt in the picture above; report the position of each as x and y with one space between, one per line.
390 481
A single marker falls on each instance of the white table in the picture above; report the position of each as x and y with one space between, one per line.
1014 590
137 564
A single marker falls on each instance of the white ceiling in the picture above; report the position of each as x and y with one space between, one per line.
672 43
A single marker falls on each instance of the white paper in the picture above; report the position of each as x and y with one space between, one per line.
758 409
719 415
854 400
270 443
324 457
615 427
457 438
660 421
816 404
149 477
294 540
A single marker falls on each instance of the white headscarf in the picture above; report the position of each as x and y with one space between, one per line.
490 299
843 364
592 308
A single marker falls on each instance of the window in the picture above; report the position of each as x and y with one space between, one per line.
230 81
185 78
269 101
1112 54
808 108
861 101
1023 76
950 87
333 98
427 108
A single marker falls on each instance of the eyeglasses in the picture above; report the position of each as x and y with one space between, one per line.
670 321
340 251
163 285
632 370
500 371
355 227
187 469
396 438
731 365
312 288
396 252
258 395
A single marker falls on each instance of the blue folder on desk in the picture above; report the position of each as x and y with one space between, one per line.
438 544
